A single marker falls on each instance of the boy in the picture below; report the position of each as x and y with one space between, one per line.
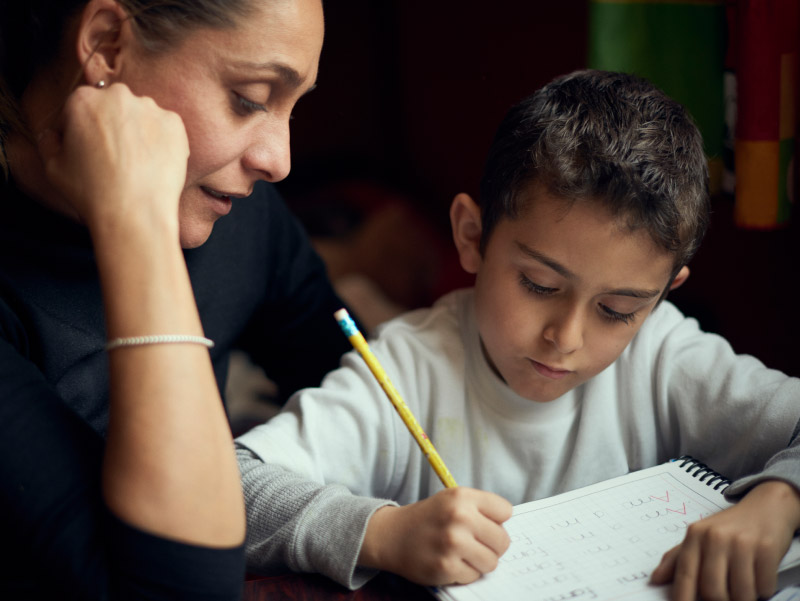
563 366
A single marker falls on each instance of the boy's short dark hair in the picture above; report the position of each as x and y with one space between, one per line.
610 137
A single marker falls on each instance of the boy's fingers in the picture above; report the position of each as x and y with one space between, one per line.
766 575
494 507
466 574
714 571
687 569
666 569
494 537
481 558
742 576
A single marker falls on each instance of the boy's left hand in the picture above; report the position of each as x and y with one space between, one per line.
734 555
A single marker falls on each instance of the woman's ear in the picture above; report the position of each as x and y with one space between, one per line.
465 219
102 30
682 276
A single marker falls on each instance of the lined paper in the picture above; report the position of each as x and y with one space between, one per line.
599 542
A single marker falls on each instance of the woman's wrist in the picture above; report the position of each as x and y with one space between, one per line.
112 231
145 282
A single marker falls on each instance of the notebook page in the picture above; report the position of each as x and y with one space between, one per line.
598 542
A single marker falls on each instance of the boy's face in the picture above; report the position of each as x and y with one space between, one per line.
560 291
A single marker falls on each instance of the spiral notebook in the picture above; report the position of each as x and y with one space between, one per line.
603 541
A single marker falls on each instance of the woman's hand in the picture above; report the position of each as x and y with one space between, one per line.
734 554
116 157
454 536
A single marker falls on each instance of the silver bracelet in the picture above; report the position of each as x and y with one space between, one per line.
161 339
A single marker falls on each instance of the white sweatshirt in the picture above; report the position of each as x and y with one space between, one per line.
675 390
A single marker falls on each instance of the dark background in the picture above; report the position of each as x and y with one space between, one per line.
409 94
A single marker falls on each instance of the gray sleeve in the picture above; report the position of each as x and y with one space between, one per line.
297 523
784 465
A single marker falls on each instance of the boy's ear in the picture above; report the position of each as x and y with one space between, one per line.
465 219
682 276
103 30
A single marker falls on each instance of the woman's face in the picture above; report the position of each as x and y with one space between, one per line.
235 90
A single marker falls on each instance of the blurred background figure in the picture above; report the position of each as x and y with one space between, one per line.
411 92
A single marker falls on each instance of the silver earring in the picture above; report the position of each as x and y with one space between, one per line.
100 84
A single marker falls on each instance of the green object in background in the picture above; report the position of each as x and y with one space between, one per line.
678 46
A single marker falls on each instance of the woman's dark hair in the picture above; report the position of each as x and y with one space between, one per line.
604 137
31 34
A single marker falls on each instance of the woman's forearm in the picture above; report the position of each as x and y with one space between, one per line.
169 466
117 162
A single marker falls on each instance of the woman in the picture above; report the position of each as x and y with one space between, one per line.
129 129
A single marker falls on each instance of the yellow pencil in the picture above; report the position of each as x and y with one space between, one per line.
360 344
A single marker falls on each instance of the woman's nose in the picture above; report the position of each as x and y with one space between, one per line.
268 153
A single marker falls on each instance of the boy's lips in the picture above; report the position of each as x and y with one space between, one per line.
549 372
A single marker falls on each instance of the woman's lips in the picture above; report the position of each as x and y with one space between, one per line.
549 372
221 202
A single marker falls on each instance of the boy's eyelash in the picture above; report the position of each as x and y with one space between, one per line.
250 106
607 312
534 287
616 316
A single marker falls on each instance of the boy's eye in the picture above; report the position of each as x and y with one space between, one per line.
616 316
534 287
248 106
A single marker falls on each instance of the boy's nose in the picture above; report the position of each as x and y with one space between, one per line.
268 153
565 332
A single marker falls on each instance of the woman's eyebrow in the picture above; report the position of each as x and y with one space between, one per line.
561 270
288 75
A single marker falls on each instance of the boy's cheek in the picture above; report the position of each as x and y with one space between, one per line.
608 350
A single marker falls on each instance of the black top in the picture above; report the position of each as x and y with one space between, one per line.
258 285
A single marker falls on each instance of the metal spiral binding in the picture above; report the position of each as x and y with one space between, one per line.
704 473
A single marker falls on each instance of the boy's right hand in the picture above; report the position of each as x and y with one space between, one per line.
452 537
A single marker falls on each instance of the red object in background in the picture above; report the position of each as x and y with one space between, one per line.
767 37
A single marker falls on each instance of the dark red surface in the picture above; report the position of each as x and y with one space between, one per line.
308 587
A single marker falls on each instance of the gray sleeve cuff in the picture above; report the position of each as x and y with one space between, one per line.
305 526
784 466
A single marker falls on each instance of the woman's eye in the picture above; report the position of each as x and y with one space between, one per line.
532 286
248 106
616 316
